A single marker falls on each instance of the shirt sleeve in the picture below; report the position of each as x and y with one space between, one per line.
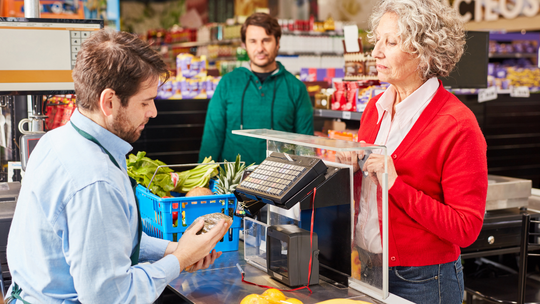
152 249
215 125
98 242
303 123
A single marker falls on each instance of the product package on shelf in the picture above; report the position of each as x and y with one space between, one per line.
59 109
354 95
504 76
359 65
191 81
320 74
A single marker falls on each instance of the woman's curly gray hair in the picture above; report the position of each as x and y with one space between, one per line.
427 28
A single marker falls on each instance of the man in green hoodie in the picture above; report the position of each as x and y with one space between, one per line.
266 96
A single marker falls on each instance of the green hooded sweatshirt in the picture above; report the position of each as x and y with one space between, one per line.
290 111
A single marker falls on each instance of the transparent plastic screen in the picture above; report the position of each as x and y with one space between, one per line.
255 242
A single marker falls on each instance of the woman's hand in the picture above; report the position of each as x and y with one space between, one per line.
350 158
375 167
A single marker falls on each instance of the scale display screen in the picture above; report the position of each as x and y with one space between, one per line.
38 55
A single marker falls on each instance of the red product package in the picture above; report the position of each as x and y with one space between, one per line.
339 95
51 112
352 95
58 116
68 110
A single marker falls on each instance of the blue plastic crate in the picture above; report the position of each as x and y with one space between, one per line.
157 214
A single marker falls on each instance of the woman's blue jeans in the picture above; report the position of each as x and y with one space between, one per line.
442 283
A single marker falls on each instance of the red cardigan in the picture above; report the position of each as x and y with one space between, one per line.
438 200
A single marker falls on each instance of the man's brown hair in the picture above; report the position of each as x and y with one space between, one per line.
114 60
269 23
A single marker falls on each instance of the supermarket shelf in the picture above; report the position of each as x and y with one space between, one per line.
513 55
337 114
306 33
292 53
197 43
514 36
238 40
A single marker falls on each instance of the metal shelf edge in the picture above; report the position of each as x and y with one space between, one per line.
337 114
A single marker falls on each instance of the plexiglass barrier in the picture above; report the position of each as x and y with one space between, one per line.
255 243
368 201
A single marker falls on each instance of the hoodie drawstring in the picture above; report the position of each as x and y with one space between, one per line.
242 108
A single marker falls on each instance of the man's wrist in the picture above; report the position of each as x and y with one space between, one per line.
171 247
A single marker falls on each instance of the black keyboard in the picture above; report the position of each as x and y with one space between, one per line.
281 176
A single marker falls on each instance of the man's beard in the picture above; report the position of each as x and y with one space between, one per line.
121 128
271 60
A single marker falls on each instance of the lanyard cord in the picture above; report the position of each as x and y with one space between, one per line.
310 256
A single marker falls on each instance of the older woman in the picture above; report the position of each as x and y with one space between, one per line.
437 168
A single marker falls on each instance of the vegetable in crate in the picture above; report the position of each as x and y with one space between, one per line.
199 191
142 168
210 220
230 176
197 177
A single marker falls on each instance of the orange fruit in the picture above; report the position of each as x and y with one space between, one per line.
291 301
273 296
254 299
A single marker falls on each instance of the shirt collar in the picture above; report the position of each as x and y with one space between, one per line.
118 147
407 109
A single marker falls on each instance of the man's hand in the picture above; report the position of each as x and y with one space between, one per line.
193 250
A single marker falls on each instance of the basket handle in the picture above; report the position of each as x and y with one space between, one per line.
185 165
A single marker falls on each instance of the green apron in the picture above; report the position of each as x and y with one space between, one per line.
16 291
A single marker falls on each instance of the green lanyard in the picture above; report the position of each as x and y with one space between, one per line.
16 294
135 254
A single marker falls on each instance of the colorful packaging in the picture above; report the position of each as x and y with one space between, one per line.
183 65
195 67
202 67
339 95
167 90
184 88
371 68
351 96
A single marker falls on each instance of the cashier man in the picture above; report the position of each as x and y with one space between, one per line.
265 96
76 232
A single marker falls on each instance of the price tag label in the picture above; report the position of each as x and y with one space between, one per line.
346 115
522 92
487 94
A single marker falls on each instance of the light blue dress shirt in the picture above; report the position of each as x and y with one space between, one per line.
75 225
